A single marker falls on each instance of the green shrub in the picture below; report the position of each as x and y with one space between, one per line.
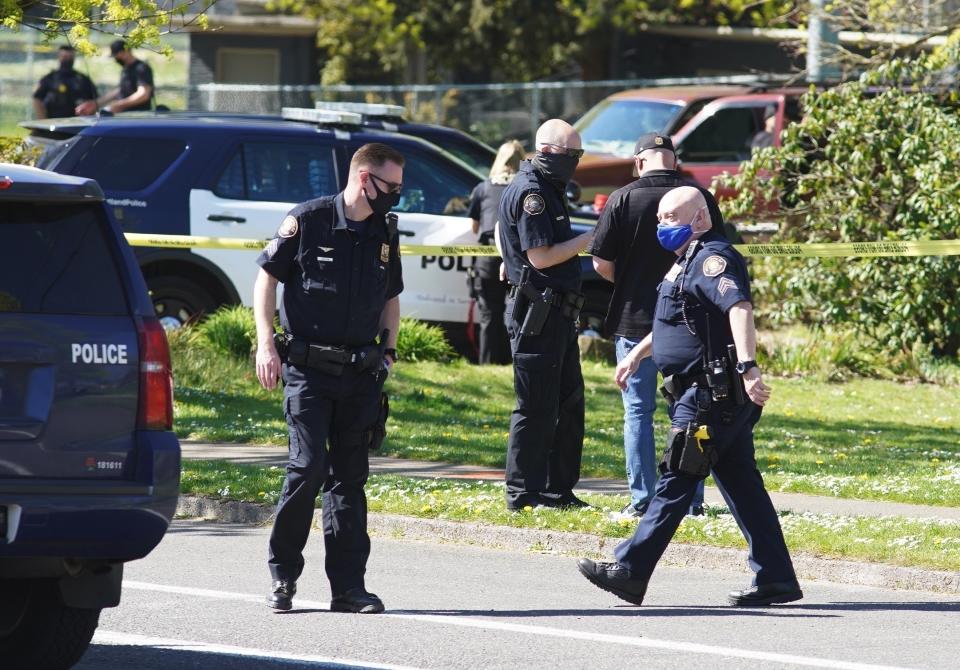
418 341
198 365
871 160
231 330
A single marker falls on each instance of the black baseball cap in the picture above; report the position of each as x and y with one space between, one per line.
653 141
117 46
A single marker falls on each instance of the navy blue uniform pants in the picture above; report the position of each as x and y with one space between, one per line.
327 418
546 427
494 341
740 484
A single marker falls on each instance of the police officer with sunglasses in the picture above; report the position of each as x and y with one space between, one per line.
539 252
338 259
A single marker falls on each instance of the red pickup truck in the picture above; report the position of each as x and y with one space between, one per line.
712 129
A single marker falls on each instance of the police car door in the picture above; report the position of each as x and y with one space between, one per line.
432 211
259 183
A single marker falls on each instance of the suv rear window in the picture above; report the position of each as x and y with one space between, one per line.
61 262
127 164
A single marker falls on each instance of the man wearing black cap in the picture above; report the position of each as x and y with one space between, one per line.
135 92
625 252
59 92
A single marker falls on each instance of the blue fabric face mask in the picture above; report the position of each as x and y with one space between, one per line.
672 238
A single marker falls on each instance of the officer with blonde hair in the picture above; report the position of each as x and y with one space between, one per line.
487 286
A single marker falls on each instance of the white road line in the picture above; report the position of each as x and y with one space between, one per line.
545 631
114 638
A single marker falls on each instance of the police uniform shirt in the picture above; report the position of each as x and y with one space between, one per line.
533 213
336 278
61 91
626 235
132 77
705 287
484 205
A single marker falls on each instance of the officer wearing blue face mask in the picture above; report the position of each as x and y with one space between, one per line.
539 251
704 343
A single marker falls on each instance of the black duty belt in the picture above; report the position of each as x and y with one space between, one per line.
329 359
559 298
674 386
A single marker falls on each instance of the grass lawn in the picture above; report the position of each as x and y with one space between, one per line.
868 439
928 543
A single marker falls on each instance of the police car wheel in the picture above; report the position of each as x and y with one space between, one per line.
38 631
178 301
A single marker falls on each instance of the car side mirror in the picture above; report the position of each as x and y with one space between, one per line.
574 192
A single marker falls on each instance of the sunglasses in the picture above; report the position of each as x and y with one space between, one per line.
392 187
573 153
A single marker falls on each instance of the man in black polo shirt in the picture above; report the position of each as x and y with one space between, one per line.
626 252
135 93
339 262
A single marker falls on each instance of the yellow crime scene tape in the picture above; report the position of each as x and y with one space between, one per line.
812 250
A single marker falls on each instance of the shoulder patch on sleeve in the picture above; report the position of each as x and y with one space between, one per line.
714 265
289 227
533 204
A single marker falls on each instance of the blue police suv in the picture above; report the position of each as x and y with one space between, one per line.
89 467
231 175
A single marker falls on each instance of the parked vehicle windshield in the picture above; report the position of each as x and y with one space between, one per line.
612 127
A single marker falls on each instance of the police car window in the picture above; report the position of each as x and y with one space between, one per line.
434 186
230 184
62 265
286 172
127 164
723 137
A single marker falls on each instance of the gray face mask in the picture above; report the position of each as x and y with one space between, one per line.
556 167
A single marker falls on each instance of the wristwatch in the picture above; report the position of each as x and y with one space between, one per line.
743 366
391 352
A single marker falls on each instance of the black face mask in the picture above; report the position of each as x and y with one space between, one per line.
384 202
66 66
119 62
556 167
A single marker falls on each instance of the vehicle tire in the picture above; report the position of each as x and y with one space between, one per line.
177 300
39 632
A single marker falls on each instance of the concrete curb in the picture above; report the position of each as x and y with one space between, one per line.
877 575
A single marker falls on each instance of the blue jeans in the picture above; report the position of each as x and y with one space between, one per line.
639 404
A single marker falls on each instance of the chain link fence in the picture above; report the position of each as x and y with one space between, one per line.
491 112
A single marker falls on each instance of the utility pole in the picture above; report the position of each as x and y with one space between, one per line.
822 44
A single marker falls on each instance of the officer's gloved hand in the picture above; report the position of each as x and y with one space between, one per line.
757 391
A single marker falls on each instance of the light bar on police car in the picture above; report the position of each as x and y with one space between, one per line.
321 116
368 109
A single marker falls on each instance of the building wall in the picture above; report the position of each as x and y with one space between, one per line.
299 58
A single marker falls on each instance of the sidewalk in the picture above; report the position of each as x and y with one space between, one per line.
795 502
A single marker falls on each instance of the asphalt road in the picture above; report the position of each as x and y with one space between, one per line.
197 602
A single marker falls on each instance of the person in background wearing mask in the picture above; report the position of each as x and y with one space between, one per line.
703 323
61 91
338 259
486 284
543 304
135 92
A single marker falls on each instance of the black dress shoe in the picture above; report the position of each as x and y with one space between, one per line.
766 594
281 597
568 501
614 578
358 601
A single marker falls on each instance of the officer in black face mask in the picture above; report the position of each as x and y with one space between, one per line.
338 259
59 92
543 303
